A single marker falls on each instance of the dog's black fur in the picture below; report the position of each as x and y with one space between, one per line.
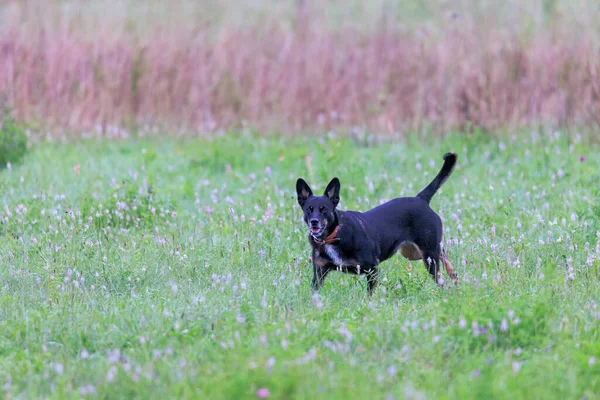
356 242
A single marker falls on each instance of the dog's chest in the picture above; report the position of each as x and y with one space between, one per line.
333 254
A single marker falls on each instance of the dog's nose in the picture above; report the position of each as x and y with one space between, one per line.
314 222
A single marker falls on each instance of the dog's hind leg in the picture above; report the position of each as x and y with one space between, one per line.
449 270
432 263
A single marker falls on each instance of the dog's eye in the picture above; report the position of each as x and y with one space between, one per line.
310 209
322 209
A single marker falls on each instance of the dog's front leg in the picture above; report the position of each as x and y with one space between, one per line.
319 274
372 279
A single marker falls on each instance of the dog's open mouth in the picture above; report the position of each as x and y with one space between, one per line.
315 231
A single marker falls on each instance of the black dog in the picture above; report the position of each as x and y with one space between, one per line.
355 242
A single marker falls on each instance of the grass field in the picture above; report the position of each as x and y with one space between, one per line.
300 65
172 269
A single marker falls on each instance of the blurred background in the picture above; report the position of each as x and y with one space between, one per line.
90 67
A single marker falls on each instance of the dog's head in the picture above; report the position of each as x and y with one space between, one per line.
319 211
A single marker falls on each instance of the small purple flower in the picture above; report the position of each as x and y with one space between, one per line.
262 393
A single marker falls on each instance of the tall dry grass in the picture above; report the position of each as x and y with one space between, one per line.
301 74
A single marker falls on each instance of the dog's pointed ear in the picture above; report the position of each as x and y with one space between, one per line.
303 191
332 191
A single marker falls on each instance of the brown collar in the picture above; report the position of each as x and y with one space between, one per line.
329 239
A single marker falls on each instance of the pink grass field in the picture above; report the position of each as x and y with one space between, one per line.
291 79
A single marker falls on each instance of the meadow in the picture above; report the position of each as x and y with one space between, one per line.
151 245
172 268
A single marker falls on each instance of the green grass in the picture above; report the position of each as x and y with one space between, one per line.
192 280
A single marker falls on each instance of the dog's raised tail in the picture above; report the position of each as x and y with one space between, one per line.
449 161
